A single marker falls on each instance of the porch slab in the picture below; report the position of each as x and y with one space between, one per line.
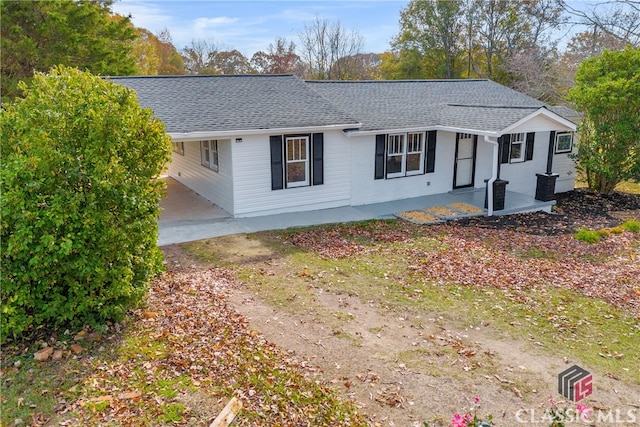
186 216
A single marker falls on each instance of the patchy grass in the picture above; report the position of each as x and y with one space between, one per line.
624 187
629 187
568 321
179 362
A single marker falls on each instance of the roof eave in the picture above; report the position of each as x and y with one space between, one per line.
201 135
356 133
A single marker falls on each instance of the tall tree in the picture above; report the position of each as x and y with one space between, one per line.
583 45
280 58
432 28
500 31
323 44
199 55
230 62
156 54
509 41
607 91
363 66
36 35
617 18
145 53
171 62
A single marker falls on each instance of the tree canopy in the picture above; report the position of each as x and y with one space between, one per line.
607 91
37 35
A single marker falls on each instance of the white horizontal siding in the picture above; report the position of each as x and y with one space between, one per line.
214 186
484 162
252 179
366 189
565 167
522 176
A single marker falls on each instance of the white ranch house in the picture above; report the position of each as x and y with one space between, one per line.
266 144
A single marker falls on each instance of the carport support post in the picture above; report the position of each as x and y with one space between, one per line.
494 172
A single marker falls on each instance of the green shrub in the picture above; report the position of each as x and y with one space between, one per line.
631 225
79 200
588 236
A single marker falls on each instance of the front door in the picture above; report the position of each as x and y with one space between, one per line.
464 167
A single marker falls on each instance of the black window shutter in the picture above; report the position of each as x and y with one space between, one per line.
529 146
430 158
505 147
380 154
318 158
277 170
551 150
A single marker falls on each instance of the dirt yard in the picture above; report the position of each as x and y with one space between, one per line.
406 363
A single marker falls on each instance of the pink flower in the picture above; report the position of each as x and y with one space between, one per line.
584 411
476 399
461 420
551 401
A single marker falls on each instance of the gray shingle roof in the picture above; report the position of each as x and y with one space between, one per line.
228 103
249 102
467 104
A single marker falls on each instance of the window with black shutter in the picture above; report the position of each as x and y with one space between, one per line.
516 147
404 154
296 160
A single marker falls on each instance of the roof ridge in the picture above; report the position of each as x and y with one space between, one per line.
522 107
186 76
401 81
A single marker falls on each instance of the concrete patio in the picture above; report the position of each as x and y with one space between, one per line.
187 216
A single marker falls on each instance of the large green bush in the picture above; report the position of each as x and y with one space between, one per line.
79 200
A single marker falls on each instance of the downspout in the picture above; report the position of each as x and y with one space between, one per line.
494 173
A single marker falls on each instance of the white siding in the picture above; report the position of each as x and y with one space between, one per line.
252 179
522 176
366 189
565 167
214 186
484 161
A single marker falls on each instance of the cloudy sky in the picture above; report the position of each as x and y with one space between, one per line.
250 26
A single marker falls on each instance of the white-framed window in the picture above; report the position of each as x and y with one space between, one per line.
297 155
564 142
177 147
395 156
405 154
517 152
415 153
209 154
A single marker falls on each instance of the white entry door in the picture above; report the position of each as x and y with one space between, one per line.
465 160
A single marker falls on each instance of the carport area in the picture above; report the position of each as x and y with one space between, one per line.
182 204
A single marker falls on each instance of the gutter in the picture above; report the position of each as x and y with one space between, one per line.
199 135
356 133
494 172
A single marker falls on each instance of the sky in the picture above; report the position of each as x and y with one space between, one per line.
250 26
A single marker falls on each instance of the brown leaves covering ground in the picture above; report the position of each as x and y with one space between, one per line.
518 251
194 341
189 339
201 343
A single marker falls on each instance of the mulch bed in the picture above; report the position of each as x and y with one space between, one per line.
575 209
